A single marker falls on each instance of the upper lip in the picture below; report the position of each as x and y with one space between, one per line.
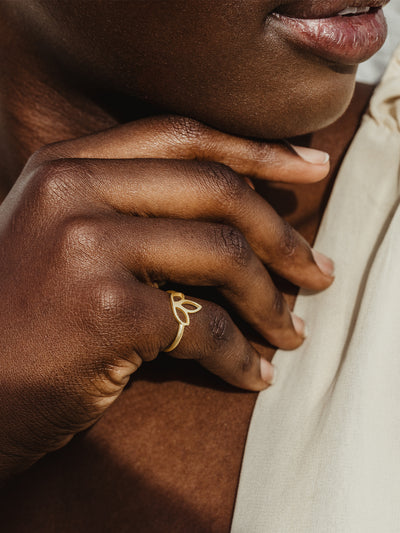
314 9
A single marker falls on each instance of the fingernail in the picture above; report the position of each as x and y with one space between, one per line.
316 157
299 325
325 264
268 372
273 380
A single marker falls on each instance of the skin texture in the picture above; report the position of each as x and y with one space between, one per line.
228 58
194 223
167 455
101 213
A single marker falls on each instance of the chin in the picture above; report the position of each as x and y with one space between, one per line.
306 108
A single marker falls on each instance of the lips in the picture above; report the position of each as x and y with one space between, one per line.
315 9
346 32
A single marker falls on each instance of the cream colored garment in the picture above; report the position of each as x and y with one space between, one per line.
323 452
372 70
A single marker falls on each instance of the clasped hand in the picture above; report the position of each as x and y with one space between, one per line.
89 230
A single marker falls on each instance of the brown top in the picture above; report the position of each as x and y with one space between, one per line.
167 455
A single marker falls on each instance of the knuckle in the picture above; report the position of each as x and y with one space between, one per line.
56 179
277 307
108 301
233 246
261 152
246 362
288 242
223 182
220 326
185 129
82 234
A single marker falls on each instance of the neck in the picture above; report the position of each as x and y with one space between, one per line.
37 108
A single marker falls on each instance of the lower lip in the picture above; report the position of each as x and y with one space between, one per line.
346 40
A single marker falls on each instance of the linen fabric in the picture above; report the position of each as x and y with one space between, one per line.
323 450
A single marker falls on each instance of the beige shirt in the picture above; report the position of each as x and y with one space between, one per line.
323 450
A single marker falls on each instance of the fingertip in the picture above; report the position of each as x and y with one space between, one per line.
324 263
299 326
274 377
313 156
301 165
268 372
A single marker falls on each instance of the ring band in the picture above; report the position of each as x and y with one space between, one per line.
181 313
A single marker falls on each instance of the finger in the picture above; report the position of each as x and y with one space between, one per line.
211 338
204 254
203 191
174 137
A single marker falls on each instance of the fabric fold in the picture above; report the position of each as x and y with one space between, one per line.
323 450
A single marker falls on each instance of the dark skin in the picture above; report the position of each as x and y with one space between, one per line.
221 54
70 206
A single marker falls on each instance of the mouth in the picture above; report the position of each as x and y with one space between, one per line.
346 32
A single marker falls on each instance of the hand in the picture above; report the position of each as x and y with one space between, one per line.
87 231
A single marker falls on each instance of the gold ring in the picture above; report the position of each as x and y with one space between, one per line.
181 314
